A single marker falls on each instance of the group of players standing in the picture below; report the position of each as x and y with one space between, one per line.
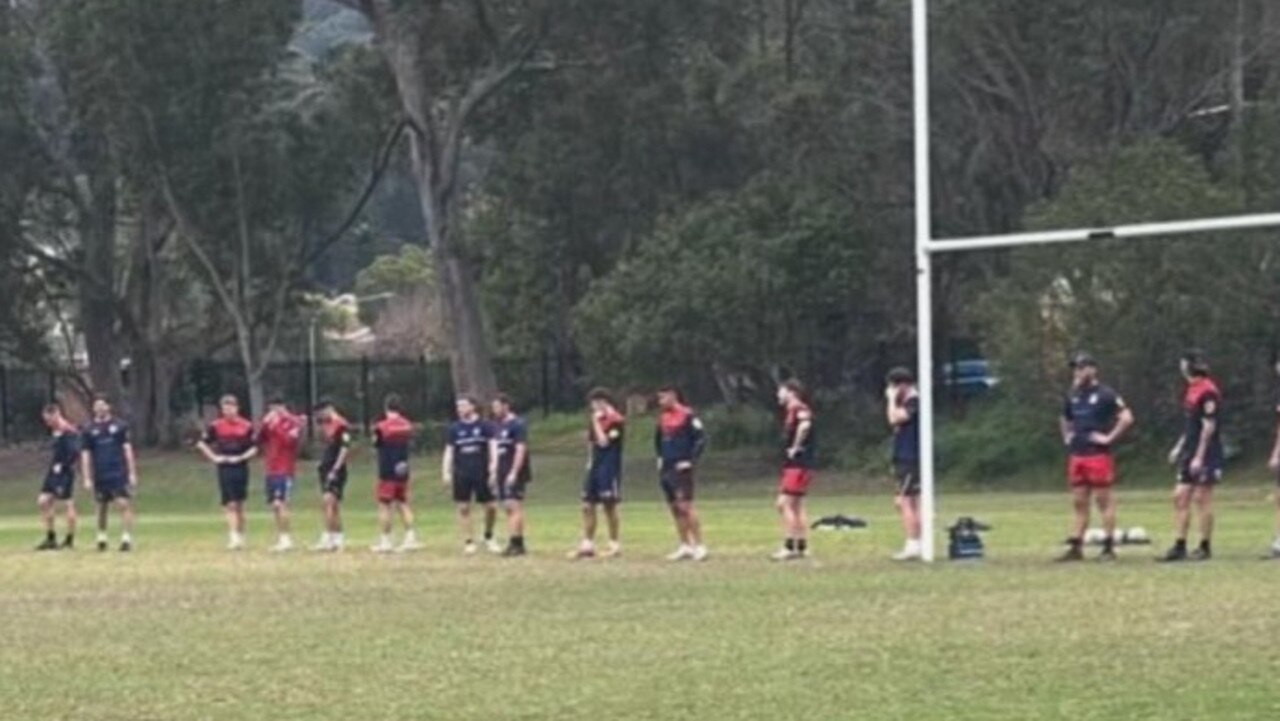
486 462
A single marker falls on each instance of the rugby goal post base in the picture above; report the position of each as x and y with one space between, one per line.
927 246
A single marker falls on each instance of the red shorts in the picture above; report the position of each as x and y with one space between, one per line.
795 481
393 492
1092 471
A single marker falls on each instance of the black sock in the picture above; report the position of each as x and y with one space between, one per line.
1108 544
488 536
1075 543
517 541
790 544
1180 544
802 545
70 537
1204 545
51 536
467 542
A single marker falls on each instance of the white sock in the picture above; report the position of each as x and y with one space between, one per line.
102 536
337 538
410 536
386 539
286 540
125 537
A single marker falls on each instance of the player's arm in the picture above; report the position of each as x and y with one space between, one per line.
521 452
1274 463
446 465
86 468
244 457
131 463
1208 426
343 453
1124 420
203 445
895 413
1066 428
493 461
599 434
697 442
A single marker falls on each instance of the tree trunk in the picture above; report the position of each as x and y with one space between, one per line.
97 300
471 361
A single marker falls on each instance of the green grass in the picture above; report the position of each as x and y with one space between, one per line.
182 630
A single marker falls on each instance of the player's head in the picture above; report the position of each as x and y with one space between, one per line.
900 377
229 406
1194 364
101 406
53 417
501 405
393 404
1276 365
466 406
668 396
1084 368
325 409
790 392
277 405
600 399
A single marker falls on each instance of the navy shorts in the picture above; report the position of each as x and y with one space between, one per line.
60 487
279 489
514 491
1210 474
908 477
335 486
677 485
106 490
468 487
233 485
602 487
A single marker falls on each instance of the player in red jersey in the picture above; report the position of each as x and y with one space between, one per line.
393 439
228 445
336 432
1198 456
797 470
279 439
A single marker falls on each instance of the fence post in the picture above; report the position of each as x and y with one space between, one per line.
4 401
424 387
311 398
364 393
546 383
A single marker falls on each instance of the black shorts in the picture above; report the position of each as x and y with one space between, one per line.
908 477
60 487
233 485
333 485
106 490
602 486
470 487
1210 474
513 491
677 485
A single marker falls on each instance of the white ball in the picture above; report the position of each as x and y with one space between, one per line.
1138 535
1094 535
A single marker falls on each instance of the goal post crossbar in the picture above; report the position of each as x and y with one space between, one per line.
926 246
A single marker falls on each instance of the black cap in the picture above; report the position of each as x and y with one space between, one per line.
1083 359
901 374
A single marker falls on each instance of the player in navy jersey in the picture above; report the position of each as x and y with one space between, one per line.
678 441
797 470
336 434
902 410
110 470
510 472
228 444
603 484
60 479
393 439
1094 417
1198 458
465 471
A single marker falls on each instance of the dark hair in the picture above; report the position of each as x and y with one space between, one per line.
53 407
1197 362
504 399
470 399
322 404
901 374
393 403
101 397
276 401
600 394
229 398
796 387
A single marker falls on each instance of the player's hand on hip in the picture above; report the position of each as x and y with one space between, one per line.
1274 463
1101 439
1173 457
684 466
1196 466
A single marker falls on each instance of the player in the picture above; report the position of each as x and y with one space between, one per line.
1198 457
336 432
60 481
1094 417
679 441
466 472
797 470
603 485
228 444
393 438
1274 465
110 470
510 470
280 439
902 409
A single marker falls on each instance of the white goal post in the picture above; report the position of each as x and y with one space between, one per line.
926 246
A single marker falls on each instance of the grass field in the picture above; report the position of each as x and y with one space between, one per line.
182 630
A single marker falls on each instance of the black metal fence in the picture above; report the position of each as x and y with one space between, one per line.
24 392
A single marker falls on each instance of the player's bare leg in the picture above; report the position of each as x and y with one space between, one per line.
332 523
103 510
384 526
614 521
126 521
909 514
284 538
1203 499
45 503
515 527
1106 502
466 529
410 540
794 529
69 508
1182 510
491 522
234 513
587 547
692 534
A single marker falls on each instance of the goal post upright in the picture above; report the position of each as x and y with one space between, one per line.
924 268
